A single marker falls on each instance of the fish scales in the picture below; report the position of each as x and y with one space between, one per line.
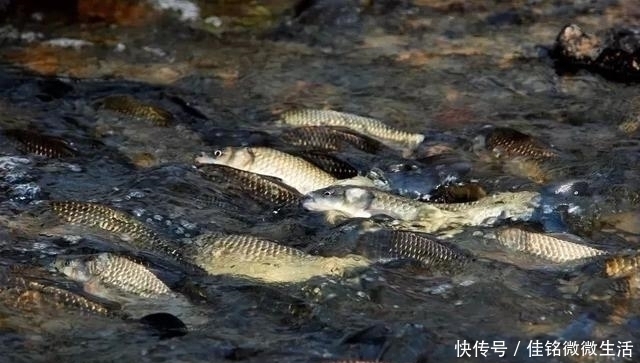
330 138
61 296
260 187
293 171
365 125
39 144
330 164
511 142
116 271
266 260
363 202
404 244
465 193
396 205
103 217
132 107
622 265
603 288
498 199
544 246
248 248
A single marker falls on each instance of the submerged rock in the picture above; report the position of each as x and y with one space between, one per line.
615 56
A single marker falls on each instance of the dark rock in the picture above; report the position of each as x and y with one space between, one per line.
165 325
615 56
321 21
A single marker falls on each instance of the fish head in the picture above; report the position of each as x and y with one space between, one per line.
350 200
74 268
236 157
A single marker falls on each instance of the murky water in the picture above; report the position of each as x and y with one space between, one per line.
443 68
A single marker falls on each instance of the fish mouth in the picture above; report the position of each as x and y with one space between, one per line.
309 202
204 159
312 203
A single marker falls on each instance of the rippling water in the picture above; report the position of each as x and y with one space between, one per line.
442 68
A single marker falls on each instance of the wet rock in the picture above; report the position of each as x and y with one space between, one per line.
127 12
417 179
318 21
615 56
509 17
165 325
327 12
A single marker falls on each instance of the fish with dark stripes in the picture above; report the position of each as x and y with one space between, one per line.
40 144
103 217
265 189
364 125
132 107
330 138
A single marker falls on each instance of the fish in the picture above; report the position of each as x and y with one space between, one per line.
533 169
61 297
508 142
503 201
622 265
368 126
247 248
330 138
630 122
337 168
265 189
113 271
600 288
263 259
552 248
457 193
32 291
103 217
364 202
293 171
40 144
428 251
130 106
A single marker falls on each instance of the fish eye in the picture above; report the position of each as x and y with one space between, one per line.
218 153
328 193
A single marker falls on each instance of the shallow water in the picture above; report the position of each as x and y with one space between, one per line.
443 68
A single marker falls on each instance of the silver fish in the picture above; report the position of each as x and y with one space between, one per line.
113 271
293 171
259 258
496 207
247 248
106 218
364 125
428 251
548 247
363 202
